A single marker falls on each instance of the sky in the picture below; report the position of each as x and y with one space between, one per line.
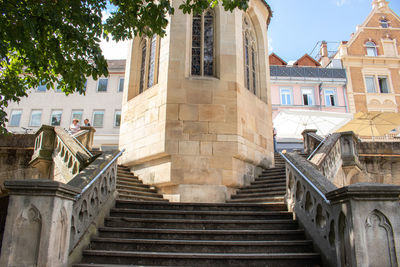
298 25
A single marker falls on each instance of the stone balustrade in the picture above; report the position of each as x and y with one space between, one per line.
97 183
356 225
49 222
58 156
311 140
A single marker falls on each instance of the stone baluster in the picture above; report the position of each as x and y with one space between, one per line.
309 143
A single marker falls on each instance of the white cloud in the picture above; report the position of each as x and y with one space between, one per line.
341 2
114 50
270 48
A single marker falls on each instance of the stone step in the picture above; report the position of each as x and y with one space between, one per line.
259 194
149 205
273 175
200 246
268 183
200 259
139 193
271 182
271 179
136 188
203 215
270 200
190 234
262 189
139 198
127 175
127 182
274 170
278 224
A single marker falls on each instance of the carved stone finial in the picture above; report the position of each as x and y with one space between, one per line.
380 4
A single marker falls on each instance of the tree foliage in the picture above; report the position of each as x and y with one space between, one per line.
57 42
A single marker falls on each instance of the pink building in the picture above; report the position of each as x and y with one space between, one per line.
302 87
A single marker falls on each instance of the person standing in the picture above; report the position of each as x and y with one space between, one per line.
86 122
74 128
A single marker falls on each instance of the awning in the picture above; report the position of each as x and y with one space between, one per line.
291 123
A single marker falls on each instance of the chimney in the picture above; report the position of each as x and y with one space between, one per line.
324 49
324 60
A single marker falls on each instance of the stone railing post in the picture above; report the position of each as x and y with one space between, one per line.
368 224
309 144
348 145
87 141
44 147
38 223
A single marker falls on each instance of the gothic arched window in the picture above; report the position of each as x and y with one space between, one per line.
203 44
250 56
148 62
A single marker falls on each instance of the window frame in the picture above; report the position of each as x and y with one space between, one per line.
371 46
334 97
202 45
40 118
11 117
250 56
290 94
312 96
93 118
119 84
143 62
118 111
98 84
377 85
51 117
383 22
74 111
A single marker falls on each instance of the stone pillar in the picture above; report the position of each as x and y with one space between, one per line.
88 139
38 224
44 147
348 145
309 145
368 225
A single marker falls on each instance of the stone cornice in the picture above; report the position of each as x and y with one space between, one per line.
41 188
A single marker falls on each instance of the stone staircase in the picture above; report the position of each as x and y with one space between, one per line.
139 232
131 188
191 234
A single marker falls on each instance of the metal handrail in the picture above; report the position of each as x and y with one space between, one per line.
319 145
99 174
305 178
79 143
84 148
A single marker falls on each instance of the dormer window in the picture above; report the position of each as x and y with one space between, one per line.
384 23
371 49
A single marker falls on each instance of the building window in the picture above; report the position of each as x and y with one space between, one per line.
55 118
98 117
373 82
307 97
330 97
15 118
148 62
286 96
250 56
370 84
371 49
203 44
41 88
117 118
36 118
384 23
77 114
102 85
121 85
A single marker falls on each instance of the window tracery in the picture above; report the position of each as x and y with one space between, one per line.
203 44
148 62
250 56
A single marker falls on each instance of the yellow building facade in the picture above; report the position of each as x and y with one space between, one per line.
372 62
